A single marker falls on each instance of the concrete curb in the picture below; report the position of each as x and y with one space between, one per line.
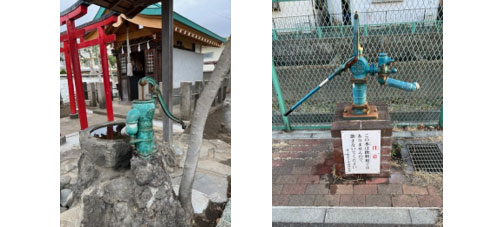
356 215
325 134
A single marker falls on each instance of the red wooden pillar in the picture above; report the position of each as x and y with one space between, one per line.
105 73
82 110
71 89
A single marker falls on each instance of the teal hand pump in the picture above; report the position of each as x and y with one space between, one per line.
360 69
139 119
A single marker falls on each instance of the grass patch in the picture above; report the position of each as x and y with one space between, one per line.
422 178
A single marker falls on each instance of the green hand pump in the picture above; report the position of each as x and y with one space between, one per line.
139 121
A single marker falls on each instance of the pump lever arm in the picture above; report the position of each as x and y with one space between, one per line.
337 71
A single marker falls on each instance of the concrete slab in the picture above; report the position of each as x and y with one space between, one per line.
72 142
424 216
199 199
214 167
422 134
215 187
298 214
368 216
71 217
356 216
402 134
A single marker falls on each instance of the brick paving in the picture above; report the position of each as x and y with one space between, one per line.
302 177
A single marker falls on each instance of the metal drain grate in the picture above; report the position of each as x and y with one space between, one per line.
426 157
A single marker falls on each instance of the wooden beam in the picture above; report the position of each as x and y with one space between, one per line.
114 4
73 15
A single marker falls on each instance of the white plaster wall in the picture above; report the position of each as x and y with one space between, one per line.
188 66
410 10
407 11
301 8
217 51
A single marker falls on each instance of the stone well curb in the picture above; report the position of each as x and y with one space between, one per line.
356 215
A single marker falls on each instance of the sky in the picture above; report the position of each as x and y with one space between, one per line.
215 15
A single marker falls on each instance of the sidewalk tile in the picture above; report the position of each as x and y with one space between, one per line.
282 170
352 200
404 201
308 179
327 200
301 200
341 189
378 200
414 190
317 189
301 170
293 189
379 180
280 200
365 189
390 189
430 201
287 179
277 189
432 190
397 178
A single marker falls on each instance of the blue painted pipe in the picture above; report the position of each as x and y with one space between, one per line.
359 94
355 35
402 85
337 71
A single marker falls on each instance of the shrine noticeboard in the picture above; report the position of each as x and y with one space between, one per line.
361 150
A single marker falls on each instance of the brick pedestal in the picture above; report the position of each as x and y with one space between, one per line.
383 123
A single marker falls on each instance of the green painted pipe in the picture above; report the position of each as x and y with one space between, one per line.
279 96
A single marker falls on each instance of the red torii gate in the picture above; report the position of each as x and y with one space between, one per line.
70 51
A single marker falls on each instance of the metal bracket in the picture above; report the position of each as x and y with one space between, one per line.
370 113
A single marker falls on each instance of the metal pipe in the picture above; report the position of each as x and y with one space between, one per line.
402 85
337 71
279 96
355 35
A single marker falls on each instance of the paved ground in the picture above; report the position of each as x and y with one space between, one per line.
302 177
354 216
68 126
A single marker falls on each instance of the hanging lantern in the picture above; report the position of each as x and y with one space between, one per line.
147 44
139 47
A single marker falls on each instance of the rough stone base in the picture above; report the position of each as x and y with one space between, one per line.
139 196
383 123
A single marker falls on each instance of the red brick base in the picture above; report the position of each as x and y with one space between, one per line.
383 123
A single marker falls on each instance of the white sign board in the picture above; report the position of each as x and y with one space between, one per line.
361 151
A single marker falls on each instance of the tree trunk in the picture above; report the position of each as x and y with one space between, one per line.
200 115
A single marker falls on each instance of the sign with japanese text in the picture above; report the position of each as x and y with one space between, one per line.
361 150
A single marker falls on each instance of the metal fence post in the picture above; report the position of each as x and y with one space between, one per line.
279 96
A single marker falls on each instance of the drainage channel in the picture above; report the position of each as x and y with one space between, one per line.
426 157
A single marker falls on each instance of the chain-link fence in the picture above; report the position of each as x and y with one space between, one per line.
313 37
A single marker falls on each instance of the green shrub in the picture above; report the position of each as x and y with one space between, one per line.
63 71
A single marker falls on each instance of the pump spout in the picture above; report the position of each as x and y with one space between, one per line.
407 86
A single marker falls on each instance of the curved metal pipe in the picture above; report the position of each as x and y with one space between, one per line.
156 93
